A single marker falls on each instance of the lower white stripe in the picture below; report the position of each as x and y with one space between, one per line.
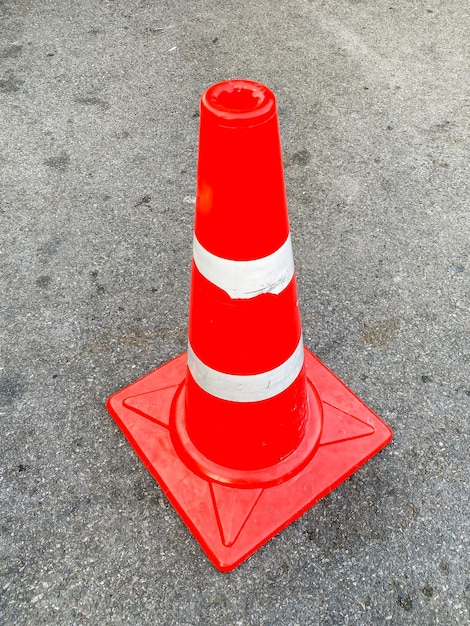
247 279
250 388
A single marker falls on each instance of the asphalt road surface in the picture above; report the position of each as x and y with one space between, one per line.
98 147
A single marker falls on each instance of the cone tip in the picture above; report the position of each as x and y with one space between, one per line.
239 103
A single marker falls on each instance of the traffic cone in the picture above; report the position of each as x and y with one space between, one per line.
247 429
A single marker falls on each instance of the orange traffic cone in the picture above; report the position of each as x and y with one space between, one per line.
248 429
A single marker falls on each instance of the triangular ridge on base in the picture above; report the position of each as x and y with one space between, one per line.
341 426
233 507
154 405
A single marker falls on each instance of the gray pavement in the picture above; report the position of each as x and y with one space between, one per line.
98 138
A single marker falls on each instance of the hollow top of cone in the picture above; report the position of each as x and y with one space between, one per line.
239 103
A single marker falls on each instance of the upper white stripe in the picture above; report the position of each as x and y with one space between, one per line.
247 279
250 388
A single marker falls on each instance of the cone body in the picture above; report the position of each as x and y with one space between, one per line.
239 326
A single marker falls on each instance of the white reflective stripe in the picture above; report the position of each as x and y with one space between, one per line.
249 388
247 279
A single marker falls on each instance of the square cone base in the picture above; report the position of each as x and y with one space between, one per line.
231 523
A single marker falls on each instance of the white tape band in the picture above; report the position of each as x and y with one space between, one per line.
251 388
247 279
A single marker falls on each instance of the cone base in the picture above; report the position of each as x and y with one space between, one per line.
231 523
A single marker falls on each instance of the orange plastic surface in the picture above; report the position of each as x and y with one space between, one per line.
231 522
